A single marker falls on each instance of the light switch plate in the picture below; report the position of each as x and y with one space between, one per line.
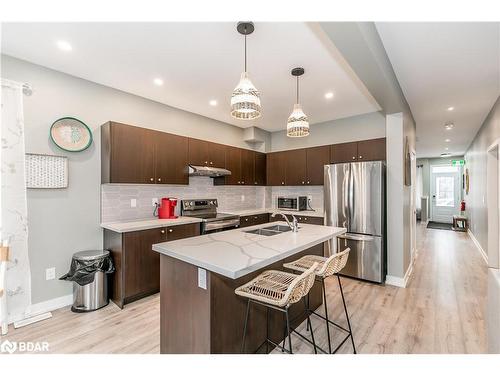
50 273
133 202
202 278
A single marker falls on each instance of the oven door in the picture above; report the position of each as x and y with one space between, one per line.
220 225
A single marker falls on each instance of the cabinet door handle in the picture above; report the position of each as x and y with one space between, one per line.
159 179
239 182
162 231
243 182
303 182
308 182
361 156
255 182
211 163
305 219
354 158
282 183
246 219
170 230
151 179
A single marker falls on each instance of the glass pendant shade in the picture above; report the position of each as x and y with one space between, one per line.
298 124
245 101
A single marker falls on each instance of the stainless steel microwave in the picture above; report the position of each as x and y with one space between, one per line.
298 203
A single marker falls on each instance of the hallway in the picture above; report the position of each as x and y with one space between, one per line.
441 311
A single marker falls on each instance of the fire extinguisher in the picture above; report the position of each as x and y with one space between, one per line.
462 206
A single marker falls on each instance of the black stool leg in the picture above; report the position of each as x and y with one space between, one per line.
245 327
288 329
326 315
284 333
267 330
346 314
309 324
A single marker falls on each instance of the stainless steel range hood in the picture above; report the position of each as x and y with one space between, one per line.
199 170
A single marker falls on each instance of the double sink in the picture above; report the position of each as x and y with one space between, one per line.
272 230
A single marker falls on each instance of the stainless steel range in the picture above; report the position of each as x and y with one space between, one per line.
206 209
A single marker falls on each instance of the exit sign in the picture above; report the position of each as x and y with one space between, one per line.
456 163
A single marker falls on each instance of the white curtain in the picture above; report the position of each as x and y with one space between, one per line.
419 187
14 219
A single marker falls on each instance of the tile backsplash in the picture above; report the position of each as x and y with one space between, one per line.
116 198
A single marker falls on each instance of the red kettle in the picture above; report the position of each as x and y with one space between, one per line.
167 208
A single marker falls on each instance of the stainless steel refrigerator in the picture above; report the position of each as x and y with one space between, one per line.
354 197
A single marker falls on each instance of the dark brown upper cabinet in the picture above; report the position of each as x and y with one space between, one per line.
276 168
247 167
296 164
134 155
344 152
206 153
171 156
371 150
260 168
233 164
317 158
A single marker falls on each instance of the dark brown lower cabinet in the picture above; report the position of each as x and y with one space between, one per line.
301 218
249 220
137 266
194 320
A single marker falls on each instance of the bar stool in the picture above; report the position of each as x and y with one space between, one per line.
277 290
326 267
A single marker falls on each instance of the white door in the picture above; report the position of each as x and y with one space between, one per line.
445 192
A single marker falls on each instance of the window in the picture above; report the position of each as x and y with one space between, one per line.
444 169
445 191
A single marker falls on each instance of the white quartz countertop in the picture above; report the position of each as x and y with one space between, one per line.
131 226
235 253
257 211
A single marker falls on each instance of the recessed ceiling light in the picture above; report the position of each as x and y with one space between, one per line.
213 103
449 126
447 140
451 108
158 81
329 95
64 46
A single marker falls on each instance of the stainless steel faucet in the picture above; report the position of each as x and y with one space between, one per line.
294 225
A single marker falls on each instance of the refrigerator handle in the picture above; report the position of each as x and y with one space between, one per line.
350 196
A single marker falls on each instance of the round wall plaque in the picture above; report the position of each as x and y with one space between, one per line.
71 134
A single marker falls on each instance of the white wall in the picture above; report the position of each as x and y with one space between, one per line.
398 127
355 128
62 222
476 162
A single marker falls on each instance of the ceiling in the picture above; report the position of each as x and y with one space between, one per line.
200 62
443 65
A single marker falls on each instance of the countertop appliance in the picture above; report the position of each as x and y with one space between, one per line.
206 209
167 208
297 203
354 198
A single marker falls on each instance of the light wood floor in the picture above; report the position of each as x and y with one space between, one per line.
441 311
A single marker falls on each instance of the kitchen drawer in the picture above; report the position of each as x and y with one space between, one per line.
301 218
178 232
249 220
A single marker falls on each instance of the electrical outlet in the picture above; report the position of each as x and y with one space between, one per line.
133 202
50 273
154 202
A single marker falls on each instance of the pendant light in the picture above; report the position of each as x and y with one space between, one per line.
298 124
245 101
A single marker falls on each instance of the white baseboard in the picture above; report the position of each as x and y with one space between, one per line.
478 245
400 282
45 306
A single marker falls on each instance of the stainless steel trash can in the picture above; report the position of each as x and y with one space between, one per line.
94 295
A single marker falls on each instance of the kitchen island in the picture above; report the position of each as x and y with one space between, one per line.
199 311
